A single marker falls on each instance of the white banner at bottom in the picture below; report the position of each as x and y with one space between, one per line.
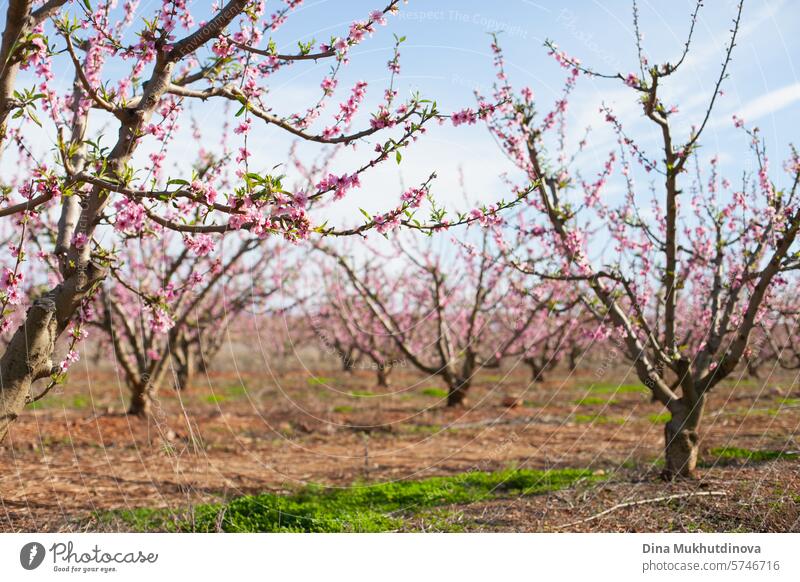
408 557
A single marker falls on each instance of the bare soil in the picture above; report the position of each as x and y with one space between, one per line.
234 434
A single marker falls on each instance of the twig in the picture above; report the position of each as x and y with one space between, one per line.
643 502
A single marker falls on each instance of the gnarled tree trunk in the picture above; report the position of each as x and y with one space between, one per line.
537 370
382 376
681 440
537 373
141 400
186 362
574 355
28 356
457 392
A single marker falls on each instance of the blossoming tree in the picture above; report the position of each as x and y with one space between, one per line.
165 313
344 321
703 260
137 78
450 317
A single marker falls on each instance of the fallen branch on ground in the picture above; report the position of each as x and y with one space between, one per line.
644 502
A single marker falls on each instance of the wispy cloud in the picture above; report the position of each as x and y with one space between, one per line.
770 102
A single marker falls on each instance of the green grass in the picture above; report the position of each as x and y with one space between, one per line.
759 412
494 378
593 401
610 388
789 401
226 393
661 418
597 419
738 453
361 508
344 408
236 390
77 401
742 382
361 393
435 392
319 380
421 428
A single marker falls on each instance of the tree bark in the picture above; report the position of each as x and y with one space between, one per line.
26 359
187 364
382 374
28 356
752 370
185 374
141 400
681 446
537 372
574 354
457 393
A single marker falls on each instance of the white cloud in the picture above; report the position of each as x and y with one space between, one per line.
770 102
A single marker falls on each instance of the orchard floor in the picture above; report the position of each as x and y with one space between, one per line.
76 456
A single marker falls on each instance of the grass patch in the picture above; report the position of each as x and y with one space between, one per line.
435 392
361 508
422 428
361 393
215 398
759 411
789 401
597 419
738 453
661 418
236 390
344 408
604 388
742 382
319 380
593 401
77 401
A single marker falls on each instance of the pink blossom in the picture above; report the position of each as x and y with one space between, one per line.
71 357
467 116
79 240
200 244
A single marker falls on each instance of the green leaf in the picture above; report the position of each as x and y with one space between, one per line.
33 117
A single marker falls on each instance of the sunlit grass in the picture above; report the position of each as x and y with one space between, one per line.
359 508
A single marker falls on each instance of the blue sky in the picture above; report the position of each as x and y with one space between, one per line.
446 56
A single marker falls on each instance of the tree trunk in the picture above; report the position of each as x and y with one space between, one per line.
186 368
681 444
349 361
184 375
28 356
141 401
26 359
457 393
382 374
537 372
574 354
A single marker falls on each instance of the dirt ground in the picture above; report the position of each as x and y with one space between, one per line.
233 434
